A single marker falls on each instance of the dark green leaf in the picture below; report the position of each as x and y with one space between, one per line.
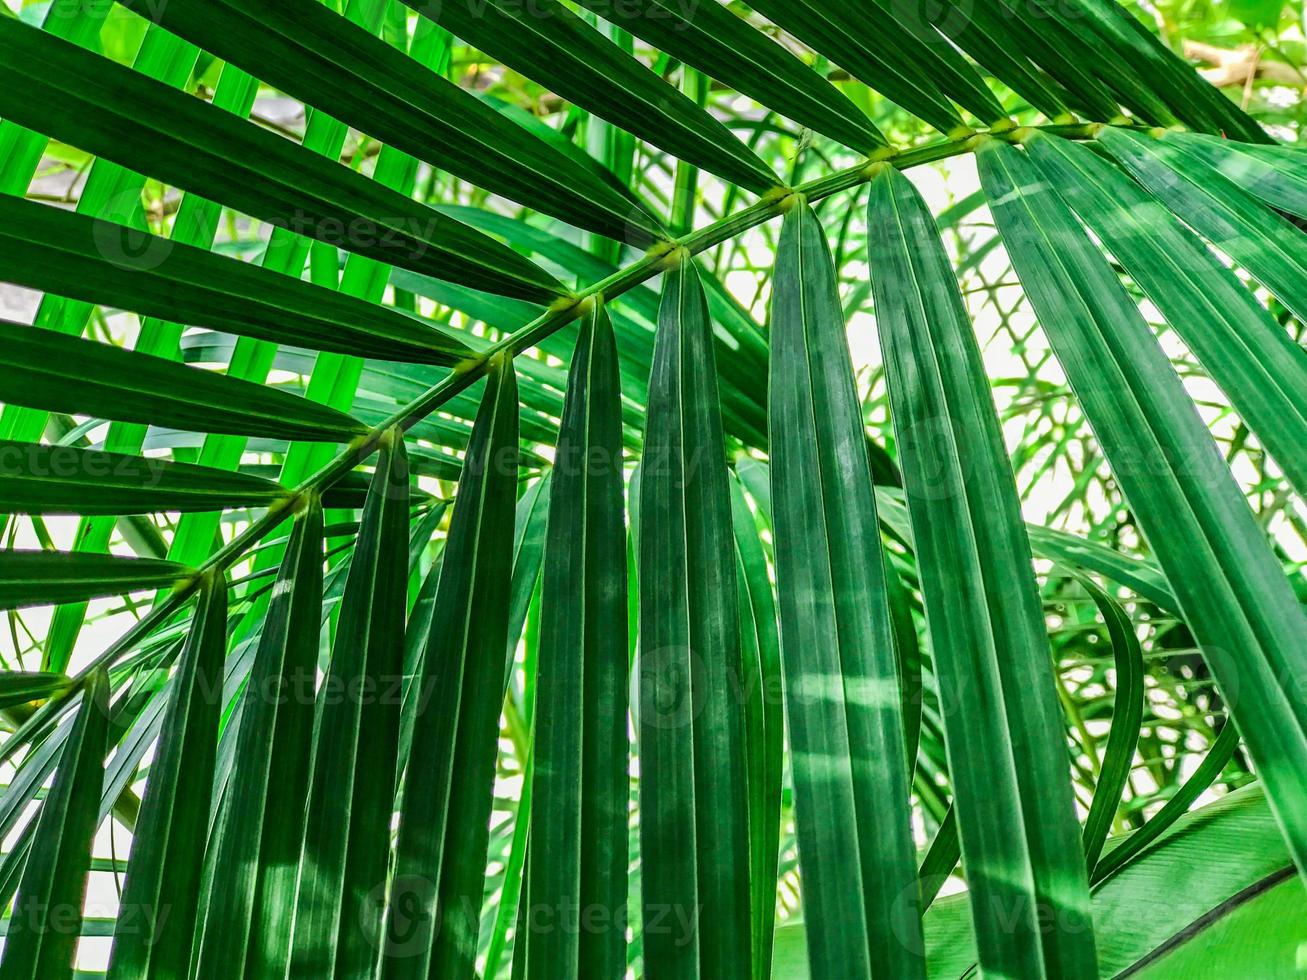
694 813
1269 247
41 940
982 608
308 51
1248 622
356 744
43 479
46 248
37 578
435 892
156 917
843 709
578 855
1249 355
50 370
259 831
54 87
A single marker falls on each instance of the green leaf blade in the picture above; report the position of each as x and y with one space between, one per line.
842 699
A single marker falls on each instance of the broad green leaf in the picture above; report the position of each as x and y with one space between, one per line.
346 838
1196 875
550 44
578 856
1127 713
436 888
45 248
720 43
164 871
43 479
51 85
258 834
46 918
1247 620
694 808
1257 933
50 370
1271 249
1003 725
1249 355
1276 175
843 711
39 578
20 148
1200 872
309 52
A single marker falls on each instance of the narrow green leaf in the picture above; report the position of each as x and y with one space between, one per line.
309 52
1248 622
43 479
163 873
20 687
53 86
722 44
1003 725
46 248
1247 353
1127 713
356 744
1068 51
1106 29
694 812
49 370
843 712
1199 782
259 832
941 858
1272 250
578 855
41 940
1274 174
764 728
553 46
40 578
434 899
873 49
529 527
987 35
